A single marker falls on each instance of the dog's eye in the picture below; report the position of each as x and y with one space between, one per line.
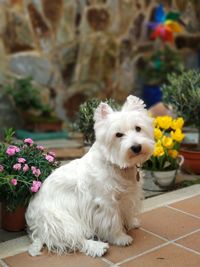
119 135
138 128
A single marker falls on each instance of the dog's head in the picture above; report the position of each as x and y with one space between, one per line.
125 137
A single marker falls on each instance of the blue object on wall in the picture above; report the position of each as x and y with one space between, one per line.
151 95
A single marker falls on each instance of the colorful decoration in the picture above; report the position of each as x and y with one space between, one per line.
165 25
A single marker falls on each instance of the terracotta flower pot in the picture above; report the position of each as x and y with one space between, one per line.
44 126
191 160
13 221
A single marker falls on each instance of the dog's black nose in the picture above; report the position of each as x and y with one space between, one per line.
136 148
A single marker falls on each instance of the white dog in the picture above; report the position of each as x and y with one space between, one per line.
98 195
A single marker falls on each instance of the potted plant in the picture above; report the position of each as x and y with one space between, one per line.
183 93
165 160
37 116
23 168
154 69
85 123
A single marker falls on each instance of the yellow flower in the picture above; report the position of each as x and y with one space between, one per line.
177 124
177 135
173 153
158 151
164 122
157 133
167 142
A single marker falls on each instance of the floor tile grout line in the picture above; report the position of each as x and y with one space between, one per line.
154 234
186 248
2 262
143 253
173 240
184 212
186 235
107 261
147 251
168 242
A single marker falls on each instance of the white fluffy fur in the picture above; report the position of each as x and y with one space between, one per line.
97 195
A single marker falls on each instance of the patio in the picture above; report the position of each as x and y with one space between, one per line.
169 236
59 60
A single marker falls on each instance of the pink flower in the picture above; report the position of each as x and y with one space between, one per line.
25 168
35 171
17 167
17 149
40 148
52 153
14 181
33 168
1 168
21 160
28 141
38 172
35 186
11 150
49 158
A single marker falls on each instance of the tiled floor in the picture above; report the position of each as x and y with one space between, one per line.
169 237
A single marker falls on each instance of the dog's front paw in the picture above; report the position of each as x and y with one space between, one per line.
95 248
123 240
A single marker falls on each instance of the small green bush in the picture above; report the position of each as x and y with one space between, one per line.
24 94
85 121
183 93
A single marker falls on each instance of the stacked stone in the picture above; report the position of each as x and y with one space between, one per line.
75 48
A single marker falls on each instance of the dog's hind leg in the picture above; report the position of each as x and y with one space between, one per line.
35 247
94 248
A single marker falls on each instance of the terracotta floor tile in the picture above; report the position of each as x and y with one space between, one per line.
47 260
167 256
191 205
192 241
169 223
142 242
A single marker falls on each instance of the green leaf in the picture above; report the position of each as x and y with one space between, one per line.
173 16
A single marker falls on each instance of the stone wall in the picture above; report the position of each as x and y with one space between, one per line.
77 48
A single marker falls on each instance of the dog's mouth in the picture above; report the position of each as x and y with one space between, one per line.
134 155
138 154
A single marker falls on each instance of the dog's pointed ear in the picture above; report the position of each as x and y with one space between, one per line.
102 111
133 103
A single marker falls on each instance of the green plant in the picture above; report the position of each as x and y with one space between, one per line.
186 183
9 133
24 94
27 99
23 168
183 93
85 122
155 68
